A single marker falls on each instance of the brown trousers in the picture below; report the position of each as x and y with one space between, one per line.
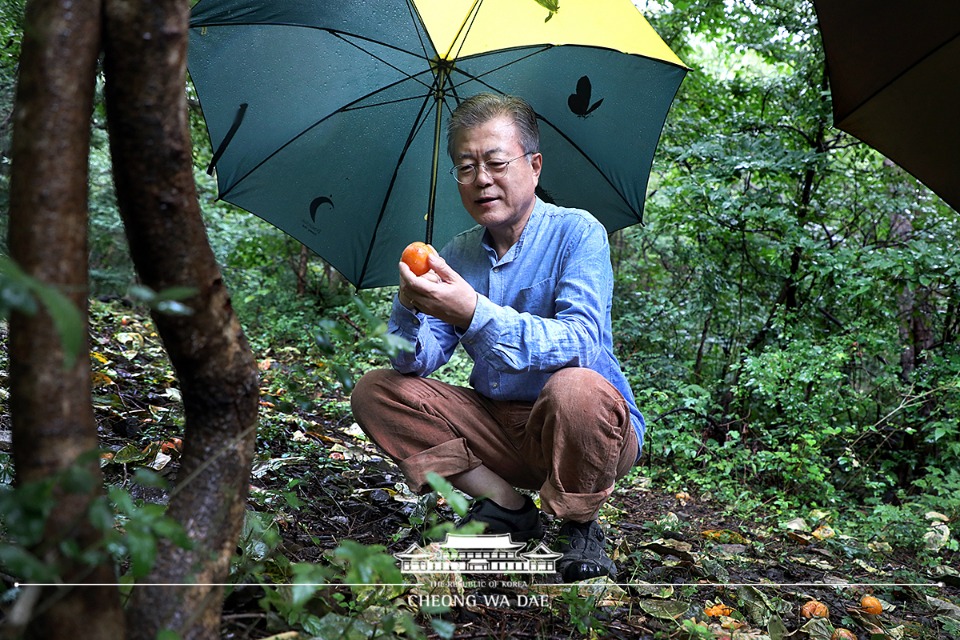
571 445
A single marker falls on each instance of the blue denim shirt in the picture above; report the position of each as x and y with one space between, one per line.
545 305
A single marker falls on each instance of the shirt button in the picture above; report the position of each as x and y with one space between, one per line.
495 385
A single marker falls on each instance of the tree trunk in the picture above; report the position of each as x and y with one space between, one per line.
145 67
52 416
913 302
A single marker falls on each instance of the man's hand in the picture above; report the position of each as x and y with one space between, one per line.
440 292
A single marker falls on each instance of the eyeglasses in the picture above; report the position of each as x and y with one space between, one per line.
467 173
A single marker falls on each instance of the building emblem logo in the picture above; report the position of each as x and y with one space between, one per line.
492 553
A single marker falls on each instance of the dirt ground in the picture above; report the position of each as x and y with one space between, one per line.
678 556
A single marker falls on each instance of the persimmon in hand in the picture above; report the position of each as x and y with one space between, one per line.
417 257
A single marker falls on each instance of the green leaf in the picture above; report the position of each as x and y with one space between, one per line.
166 301
368 564
776 628
67 318
551 5
665 609
18 561
142 545
129 453
454 498
100 514
444 628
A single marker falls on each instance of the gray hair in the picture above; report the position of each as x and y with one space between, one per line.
478 109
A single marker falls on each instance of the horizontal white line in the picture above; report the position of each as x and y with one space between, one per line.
639 585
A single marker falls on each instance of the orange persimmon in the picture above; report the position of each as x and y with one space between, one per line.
417 257
815 609
869 604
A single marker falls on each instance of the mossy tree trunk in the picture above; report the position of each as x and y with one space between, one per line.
52 416
144 46
145 67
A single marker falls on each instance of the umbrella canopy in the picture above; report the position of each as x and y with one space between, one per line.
328 119
894 72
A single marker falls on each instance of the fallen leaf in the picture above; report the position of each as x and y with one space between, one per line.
133 342
128 454
776 628
724 536
937 536
797 524
818 629
824 532
880 547
947 609
159 461
665 609
673 548
99 379
717 610
653 590
866 567
800 537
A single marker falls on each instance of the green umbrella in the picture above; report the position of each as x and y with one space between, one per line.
895 80
328 119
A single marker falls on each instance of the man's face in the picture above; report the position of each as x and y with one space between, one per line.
502 203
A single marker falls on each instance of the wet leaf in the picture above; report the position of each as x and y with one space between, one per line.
760 607
133 343
776 628
653 590
797 524
724 536
334 625
818 629
675 548
824 532
129 453
665 609
947 609
99 379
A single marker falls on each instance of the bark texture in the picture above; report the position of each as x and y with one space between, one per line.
145 66
52 417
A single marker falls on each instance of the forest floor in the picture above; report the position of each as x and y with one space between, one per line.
688 567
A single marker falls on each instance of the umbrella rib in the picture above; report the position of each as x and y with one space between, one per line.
418 123
465 28
593 164
344 108
418 19
409 76
894 80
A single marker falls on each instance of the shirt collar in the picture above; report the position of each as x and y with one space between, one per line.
532 222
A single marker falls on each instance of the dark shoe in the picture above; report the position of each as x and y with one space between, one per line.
581 544
522 524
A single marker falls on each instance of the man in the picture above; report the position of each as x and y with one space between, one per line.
528 295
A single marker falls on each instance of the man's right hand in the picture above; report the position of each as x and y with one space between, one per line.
441 292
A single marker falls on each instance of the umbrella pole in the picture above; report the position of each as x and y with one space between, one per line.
433 174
